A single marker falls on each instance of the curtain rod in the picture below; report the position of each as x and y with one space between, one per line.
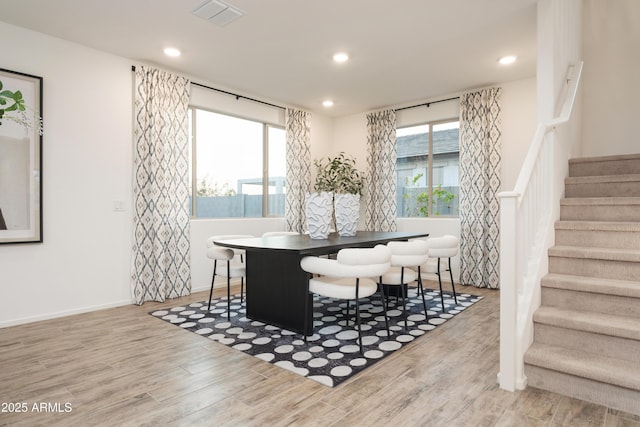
427 104
133 68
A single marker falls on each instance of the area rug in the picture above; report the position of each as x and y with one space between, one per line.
331 355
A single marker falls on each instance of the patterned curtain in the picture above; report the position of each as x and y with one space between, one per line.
380 186
160 259
298 133
480 158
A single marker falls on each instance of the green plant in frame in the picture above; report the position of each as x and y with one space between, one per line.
10 101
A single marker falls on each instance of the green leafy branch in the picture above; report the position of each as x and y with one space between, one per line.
438 194
338 175
10 101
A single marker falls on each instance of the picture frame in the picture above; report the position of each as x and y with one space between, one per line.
21 134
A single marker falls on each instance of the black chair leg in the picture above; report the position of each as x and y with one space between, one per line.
213 279
421 291
440 284
358 316
384 307
453 287
306 317
402 292
228 292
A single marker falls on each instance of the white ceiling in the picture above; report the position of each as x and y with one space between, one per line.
402 51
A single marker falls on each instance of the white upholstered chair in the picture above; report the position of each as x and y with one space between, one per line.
405 256
348 277
441 250
227 263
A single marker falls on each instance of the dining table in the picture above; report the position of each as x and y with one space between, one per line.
277 288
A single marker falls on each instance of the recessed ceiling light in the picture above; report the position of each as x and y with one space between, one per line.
171 51
341 57
328 103
506 60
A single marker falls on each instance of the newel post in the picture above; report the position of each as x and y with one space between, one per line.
507 377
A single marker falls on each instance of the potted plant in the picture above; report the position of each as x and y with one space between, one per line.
338 175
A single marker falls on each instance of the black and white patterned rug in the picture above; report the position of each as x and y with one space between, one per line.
331 355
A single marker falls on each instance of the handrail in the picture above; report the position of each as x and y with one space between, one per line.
542 129
525 221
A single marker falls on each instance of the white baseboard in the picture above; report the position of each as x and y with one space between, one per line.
64 313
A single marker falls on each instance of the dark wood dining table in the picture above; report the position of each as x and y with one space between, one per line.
276 285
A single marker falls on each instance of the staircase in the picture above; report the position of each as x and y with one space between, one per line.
587 330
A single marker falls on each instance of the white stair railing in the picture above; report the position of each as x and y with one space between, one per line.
525 221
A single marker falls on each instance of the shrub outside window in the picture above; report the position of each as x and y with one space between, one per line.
427 166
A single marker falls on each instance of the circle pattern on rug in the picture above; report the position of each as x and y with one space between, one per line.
332 354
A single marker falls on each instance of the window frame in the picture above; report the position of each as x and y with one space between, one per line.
429 176
265 162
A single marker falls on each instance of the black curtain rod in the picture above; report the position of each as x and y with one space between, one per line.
427 104
133 68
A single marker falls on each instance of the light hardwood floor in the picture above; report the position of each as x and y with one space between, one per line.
121 366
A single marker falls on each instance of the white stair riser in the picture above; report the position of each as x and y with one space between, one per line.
595 268
615 397
605 345
598 238
590 301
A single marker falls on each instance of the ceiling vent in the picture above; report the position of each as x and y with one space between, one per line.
218 12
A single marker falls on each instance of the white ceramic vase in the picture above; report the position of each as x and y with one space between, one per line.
347 209
319 213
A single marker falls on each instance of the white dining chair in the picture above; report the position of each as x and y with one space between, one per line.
405 256
348 277
441 250
227 263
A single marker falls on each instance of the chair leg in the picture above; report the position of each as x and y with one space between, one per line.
440 284
404 303
453 287
348 311
358 315
421 291
306 316
228 291
213 279
384 307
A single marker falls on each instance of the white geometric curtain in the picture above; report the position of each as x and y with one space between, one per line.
298 135
380 184
160 266
480 163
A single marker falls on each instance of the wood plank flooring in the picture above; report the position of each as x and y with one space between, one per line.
121 366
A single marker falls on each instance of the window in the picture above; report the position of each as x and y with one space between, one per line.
235 164
427 169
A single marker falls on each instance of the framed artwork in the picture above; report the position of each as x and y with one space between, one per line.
20 157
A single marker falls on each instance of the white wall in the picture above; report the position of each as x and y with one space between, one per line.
83 263
610 109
